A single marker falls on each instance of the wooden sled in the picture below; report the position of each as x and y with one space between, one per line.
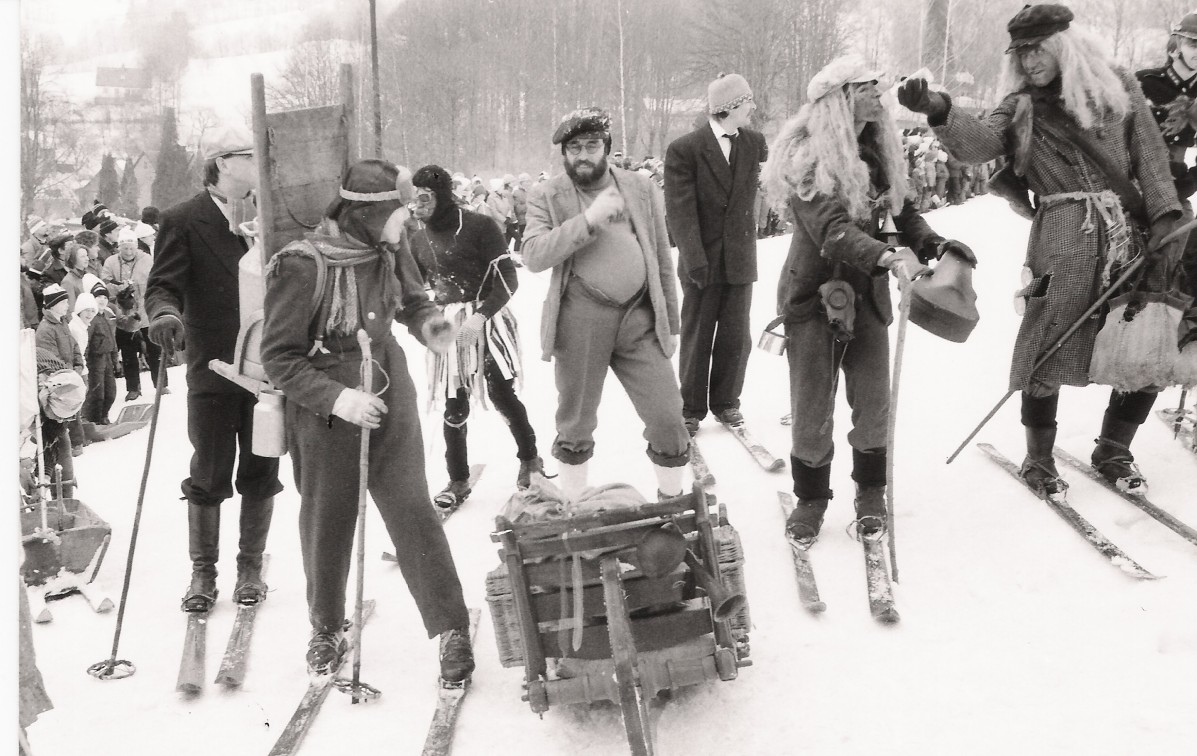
592 615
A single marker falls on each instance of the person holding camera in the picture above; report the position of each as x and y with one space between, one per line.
834 291
128 273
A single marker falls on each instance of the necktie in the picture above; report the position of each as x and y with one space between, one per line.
731 156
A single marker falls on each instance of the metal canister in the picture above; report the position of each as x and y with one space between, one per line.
773 340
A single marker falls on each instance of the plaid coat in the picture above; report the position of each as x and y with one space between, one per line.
1066 261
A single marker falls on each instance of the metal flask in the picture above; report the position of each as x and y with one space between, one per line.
270 432
772 340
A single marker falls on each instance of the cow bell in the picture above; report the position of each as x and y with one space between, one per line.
945 303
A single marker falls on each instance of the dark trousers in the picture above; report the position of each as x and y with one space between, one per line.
130 344
56 446
715 344
502 395
515 233
220 427
813 353
101 390
326 456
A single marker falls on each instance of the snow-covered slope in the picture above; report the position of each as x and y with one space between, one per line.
1016 637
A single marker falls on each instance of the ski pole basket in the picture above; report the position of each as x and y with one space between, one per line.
619 605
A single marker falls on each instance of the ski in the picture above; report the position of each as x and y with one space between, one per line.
195 642
292 736
439 741
1140 501
698 466
1183 424
1115 555
763 456
232 666
881 590
808 590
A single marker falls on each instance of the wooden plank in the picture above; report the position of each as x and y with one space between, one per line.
312 121
641 592
600 519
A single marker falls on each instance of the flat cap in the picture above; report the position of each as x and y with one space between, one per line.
846 69
583 121
1035 23
227 139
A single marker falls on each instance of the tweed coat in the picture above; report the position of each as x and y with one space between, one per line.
557 229
711 209
1065 261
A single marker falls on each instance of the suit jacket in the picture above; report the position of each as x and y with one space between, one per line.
557 229
194 277
711 211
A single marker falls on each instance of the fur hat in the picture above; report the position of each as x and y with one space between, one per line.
52 295
149 214
846 69
726 92
1035 23
584 121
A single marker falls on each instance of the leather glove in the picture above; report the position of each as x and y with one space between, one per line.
362 409
915 95
166 331
904 264
470 330
953 247
437 334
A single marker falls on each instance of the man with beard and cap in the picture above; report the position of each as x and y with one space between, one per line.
711 180
362 276
612 302
840 195
463 258
128 273
1083 130
1171 90
192 302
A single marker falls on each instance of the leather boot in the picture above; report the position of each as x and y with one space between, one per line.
868 470
1112 456
811 486
1039 467
255 526
203 538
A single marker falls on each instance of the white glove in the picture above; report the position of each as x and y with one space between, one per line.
362 409
470 330
606 208
904 264
438 334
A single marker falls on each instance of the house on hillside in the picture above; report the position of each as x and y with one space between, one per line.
122 84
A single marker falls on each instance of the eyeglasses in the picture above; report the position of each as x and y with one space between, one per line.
592 147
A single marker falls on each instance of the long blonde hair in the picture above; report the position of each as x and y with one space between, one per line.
817 152
1090 86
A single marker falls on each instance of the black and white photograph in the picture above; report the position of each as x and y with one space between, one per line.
319 301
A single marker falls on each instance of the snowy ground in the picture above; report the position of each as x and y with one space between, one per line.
1016 637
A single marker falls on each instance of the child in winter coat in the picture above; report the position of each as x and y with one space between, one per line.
56 349
101 358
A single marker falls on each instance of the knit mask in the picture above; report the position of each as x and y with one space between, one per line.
438 180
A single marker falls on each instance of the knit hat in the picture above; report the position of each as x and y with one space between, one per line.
52 295
846 69
478 190
726 92
107 226
99 290
126 235
584 121
85 301
38 228
1035 23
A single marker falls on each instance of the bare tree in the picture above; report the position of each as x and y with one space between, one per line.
48 141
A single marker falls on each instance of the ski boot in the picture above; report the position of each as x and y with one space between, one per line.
326 651
453 495
457 656
804 523
1039 468
1112 456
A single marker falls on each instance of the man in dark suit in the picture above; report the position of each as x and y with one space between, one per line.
192 301
710 201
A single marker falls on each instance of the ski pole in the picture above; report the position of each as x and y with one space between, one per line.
892 426
358 690
113 668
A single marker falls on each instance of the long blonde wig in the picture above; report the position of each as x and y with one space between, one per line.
817 152
1089 84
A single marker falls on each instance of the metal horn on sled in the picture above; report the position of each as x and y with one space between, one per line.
724 603
945 303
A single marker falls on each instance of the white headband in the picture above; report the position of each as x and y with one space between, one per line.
394 194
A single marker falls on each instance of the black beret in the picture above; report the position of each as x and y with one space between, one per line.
1035 23
583 121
